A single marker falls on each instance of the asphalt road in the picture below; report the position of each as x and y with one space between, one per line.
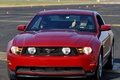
11 17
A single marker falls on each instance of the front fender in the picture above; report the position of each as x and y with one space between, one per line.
9 45
96 45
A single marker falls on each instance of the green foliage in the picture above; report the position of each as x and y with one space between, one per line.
39 2
36 2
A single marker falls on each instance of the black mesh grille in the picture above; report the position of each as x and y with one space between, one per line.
49 69
49 51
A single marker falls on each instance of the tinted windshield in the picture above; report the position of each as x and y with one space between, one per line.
62 21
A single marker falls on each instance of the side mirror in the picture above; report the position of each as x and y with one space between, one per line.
21 27
105 27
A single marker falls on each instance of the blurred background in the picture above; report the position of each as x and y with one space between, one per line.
53 2
17 12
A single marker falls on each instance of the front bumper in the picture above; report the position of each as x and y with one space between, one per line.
26 66
60 74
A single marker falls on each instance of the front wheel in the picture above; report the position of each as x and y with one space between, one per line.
11 75
98 72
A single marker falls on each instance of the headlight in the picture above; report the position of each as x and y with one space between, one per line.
87 50
66 50
32 50
16 50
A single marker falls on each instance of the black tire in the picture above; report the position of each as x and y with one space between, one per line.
11 75
110 62
98 72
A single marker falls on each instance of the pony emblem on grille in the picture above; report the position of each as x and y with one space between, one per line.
47 50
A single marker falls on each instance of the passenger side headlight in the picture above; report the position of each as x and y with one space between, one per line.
16 50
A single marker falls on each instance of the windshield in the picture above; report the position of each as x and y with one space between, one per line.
62 21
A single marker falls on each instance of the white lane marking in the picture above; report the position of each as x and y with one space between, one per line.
117 25
13 21
3 59
3 56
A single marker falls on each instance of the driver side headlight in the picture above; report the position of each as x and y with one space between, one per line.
85 50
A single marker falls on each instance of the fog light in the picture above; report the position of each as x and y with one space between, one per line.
66 50
32 50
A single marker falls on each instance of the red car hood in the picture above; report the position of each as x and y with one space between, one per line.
54 38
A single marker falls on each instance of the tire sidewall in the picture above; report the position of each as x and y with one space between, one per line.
98 72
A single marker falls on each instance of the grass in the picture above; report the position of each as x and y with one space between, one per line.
19 3
47 2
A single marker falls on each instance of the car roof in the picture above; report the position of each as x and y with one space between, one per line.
67 11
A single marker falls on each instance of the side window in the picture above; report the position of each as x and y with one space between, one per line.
100 20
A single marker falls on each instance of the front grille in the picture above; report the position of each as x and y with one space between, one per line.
49 69
49 51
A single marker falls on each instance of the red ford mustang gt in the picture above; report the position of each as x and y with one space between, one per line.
62 43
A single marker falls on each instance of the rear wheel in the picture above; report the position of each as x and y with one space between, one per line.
110 62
